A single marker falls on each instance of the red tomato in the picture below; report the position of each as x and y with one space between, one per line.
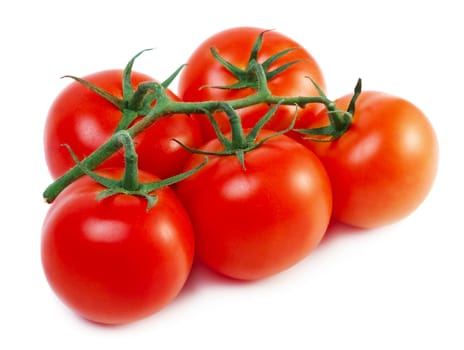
235 46
112 261
254 223
84 120
384 166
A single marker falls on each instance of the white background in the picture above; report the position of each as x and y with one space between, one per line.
399 287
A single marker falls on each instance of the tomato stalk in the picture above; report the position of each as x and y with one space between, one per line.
129 180
140 102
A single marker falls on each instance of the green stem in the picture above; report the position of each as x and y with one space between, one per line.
166 106
130 178
238 136
256 98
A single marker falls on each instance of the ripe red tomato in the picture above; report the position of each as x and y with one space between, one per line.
384 166
84 120
112 261
254 223
235 45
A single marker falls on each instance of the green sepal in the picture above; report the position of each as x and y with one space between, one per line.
321 134
165 84
104 181
266 64
281 132
272 74
357 93
127 88
253 134
151 199
115 101
236 71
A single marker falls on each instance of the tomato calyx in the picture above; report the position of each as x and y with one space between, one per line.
239 143
246 77
135 102
129 183
339 121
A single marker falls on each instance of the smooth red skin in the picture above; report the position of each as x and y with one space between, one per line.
84 120
256 223
383 168
235 45
111 261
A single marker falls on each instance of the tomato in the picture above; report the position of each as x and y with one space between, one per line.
84 120
255 222
384 166
235 45
111 260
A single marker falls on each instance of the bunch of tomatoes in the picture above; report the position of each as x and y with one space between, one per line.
244 168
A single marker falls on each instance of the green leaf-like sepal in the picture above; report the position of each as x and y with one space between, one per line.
115 101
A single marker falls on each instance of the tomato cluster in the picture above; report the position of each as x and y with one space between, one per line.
243 169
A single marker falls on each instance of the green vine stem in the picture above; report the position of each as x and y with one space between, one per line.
165 106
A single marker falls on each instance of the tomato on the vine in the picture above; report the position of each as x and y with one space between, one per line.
256 221
84 120
385 164
199 79
111 260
